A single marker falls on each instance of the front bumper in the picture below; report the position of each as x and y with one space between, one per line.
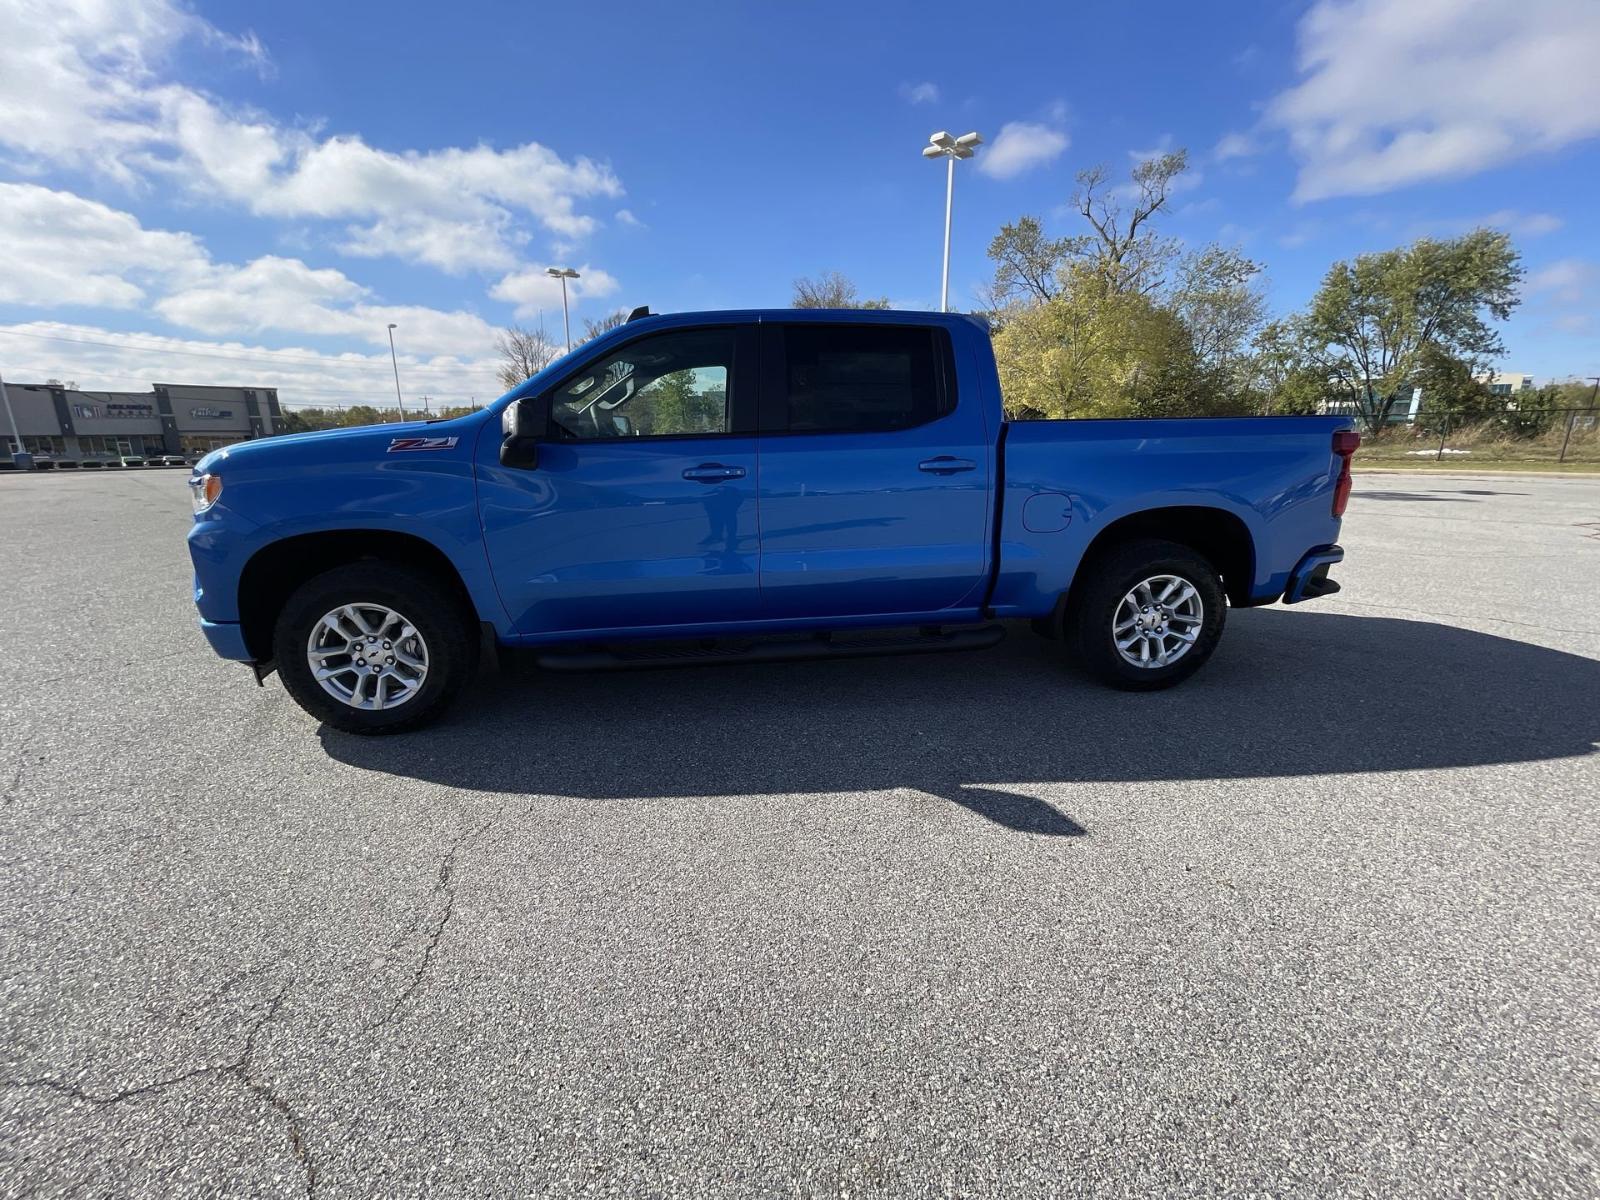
227 639
1309 580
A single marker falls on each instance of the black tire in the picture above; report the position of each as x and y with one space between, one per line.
451 650
1096 597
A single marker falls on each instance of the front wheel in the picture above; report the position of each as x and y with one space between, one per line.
1148 615
372 648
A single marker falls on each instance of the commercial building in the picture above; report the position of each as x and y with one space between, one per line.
1505 383
172 418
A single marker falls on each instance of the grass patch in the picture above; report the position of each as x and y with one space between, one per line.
1468 466
1487 444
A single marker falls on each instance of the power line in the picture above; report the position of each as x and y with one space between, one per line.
278 359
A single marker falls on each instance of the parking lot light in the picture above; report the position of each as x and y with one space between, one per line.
943 145
395 363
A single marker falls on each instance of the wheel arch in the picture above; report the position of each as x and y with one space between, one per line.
273 572
1219 535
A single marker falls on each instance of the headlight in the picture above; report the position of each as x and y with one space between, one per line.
204 490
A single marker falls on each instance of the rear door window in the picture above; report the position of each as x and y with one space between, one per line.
858 378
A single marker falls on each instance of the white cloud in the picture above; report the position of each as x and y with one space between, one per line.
65 250
1163 146
1526 224
1302 233
1561 295
626 217
1567 281
1235 145
1021 146
533 292
1508 220
919 93
83 86
285 295
62 249
1397 92
98 358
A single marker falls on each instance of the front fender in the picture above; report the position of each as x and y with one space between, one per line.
341 486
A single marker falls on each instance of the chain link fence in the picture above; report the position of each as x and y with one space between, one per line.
1551 436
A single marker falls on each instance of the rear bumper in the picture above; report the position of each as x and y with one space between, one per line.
1309 580
227 639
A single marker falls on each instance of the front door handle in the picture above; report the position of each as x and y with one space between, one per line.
713 473
945 464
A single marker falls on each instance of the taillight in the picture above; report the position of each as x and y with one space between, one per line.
1345 444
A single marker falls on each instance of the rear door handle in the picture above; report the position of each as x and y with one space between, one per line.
946 465
713 473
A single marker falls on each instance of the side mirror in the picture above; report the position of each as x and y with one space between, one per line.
523 426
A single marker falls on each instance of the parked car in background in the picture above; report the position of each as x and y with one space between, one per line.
168 460
131 460
96 462
752 486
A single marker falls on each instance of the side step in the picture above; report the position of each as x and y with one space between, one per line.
862 644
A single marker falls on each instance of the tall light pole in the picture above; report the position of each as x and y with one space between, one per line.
942 145
395 363
564 274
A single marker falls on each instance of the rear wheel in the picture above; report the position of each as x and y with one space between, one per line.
1147 616
372 648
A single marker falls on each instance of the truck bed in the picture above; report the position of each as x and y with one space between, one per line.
1067 480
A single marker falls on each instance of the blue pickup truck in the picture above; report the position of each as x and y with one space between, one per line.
748 486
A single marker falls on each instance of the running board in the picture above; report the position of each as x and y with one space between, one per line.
645 655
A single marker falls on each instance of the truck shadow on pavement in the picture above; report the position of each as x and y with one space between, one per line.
1290 693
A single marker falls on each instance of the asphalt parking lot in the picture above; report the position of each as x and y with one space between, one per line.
1323 920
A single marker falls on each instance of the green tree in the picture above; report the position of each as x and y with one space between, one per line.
677 403
1116 321
1282 380
303 420
1377 322
1029 268
1122 248
1451 394
830 290
1088 354
1217 296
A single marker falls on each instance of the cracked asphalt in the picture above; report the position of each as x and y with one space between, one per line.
1321 921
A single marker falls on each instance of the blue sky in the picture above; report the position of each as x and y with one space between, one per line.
249 194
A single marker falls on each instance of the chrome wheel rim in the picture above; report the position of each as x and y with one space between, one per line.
1158 622
367 656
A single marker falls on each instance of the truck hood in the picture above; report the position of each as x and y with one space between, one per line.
359 439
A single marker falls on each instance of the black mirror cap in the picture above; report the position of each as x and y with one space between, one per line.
524 424
527 418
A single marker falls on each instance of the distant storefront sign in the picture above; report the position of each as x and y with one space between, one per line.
115 411
212 414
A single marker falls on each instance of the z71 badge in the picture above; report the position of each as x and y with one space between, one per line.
420 443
